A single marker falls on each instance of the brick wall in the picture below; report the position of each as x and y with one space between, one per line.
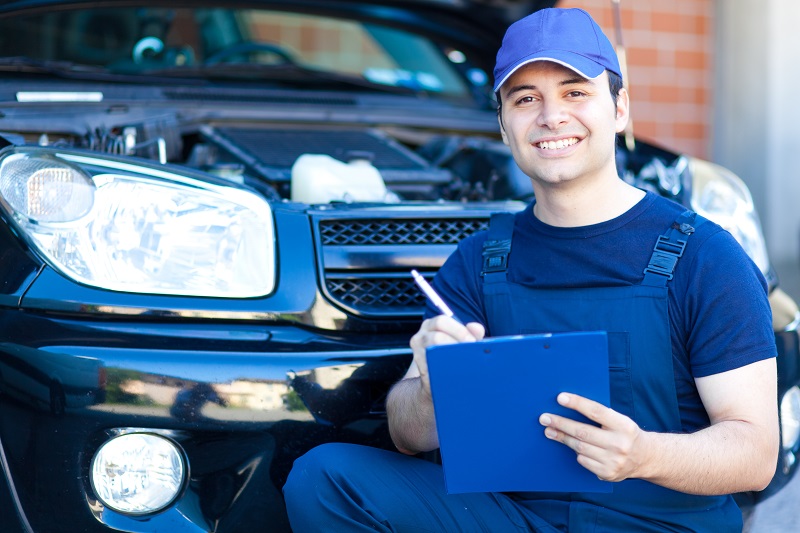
669 47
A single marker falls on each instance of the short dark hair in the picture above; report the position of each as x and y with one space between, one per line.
615 85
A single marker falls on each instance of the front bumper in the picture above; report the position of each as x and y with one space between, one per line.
242 402
269 395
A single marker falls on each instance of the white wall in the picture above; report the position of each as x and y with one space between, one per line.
756 123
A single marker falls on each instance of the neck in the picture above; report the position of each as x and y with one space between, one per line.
586 204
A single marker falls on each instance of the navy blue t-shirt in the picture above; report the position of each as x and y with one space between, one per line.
720 317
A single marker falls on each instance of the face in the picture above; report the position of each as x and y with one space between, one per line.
561 128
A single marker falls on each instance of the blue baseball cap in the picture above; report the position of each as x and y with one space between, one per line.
569 37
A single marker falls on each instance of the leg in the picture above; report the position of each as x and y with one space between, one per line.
345 487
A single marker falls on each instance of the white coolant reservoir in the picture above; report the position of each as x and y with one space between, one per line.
319 179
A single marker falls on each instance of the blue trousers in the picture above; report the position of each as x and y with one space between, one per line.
346 487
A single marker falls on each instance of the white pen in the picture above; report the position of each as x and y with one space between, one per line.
433 297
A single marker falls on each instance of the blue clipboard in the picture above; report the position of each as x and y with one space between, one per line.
488 396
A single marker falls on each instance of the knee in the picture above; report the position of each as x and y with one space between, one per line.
317 468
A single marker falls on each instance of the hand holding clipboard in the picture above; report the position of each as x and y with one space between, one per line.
487 396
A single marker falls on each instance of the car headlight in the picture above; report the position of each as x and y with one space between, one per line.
722 197
138 473
133 228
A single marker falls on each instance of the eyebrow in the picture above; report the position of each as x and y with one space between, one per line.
577 80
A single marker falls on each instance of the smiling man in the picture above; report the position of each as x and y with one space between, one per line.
693 415
561 129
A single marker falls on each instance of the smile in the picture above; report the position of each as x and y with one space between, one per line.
557 145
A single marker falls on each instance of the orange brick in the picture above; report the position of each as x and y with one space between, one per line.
694 130
645 128
665 93
603 16
704 25
640 21
691 59
693 7
701 95
642 56
667 22
693 95
687 23
639 92
629 18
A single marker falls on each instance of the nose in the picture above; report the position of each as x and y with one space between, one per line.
552 114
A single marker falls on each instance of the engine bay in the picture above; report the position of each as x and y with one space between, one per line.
414 165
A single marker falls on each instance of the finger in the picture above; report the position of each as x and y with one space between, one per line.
477 330
591 409
432 332
574 434
579 443
448 326
596 467
429 334
592 457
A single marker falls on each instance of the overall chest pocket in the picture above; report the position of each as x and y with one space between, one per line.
619 371
619 368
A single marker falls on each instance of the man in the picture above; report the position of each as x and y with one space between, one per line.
693 377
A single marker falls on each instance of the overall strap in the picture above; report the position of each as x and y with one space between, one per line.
669 248
497 247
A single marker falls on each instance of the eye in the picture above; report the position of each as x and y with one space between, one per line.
526 100
576 94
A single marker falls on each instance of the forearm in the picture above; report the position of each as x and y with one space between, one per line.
737 452
727 457
411 420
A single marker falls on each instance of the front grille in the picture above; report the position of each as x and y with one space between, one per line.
421 231
375 279
376 294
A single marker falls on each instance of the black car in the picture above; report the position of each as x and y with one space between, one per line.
208 215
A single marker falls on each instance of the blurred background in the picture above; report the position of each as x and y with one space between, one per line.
716 79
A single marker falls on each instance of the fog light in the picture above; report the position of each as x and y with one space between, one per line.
790 418
138 473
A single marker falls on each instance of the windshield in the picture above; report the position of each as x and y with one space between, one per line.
243 43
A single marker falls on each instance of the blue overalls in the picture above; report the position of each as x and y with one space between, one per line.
344 487
641 375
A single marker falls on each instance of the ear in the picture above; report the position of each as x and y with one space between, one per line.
623 110
502 128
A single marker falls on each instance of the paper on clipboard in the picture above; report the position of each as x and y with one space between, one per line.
488 396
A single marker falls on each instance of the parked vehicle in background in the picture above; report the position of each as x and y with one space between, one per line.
208 215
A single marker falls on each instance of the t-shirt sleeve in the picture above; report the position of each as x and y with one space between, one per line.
728 316
458 282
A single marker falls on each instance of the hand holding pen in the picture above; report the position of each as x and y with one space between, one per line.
434 298
437 332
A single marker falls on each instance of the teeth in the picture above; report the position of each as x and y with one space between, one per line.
557 145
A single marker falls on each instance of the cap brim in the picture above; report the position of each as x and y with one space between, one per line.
579 64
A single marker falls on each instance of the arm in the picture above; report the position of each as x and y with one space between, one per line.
409 405
737 452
